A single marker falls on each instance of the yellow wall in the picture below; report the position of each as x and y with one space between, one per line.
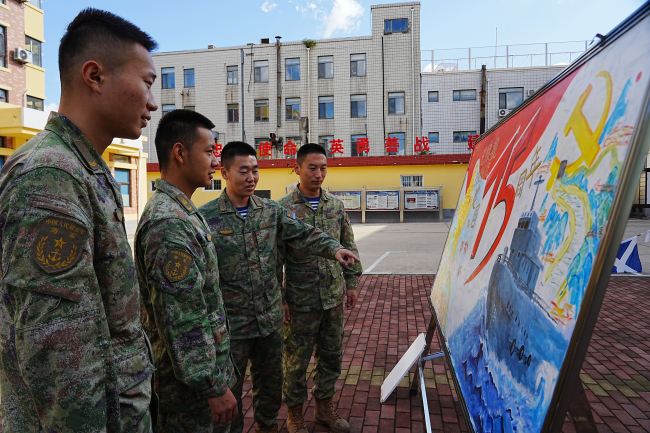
34 26
449 176
35 81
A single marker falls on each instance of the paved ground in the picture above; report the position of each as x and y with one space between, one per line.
393 309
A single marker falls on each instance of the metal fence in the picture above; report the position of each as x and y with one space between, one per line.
502 56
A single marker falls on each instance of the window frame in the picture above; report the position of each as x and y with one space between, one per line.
437 140
258 105
505 91
162 108
289 115
323 74
353 143
394 95
433 93
414 180
37 54
365 106
232 109
356 62
6 95
167 78
127 184
457 95
185 80
259 66
389 24
37 103
229 70
455 134
320 102
401 149
4 59
213 185
291 67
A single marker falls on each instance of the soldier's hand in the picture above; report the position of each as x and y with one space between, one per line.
224 408
346 257
351 296
287 312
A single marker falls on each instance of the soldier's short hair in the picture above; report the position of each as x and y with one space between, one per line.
307 149
100 35
234 149
178 126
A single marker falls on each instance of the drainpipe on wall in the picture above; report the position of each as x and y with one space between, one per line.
412 85
482 96
308 94
278 81
241 94
383 90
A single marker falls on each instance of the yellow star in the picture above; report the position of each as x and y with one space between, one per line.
59 243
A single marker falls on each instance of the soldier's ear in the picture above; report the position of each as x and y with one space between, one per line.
179 153
92 74
224 173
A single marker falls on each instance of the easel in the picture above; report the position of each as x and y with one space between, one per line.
579 409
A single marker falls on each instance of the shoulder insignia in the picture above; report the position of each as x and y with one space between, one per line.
177 265
58 244
226 231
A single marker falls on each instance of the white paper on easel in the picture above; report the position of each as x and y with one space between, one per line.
402 367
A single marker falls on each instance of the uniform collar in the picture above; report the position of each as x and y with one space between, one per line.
70 133
175 193
299 198
226 206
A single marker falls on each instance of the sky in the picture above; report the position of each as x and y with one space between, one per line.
181 25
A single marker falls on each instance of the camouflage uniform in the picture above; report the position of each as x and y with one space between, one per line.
73 356
179 279
314 291
248 268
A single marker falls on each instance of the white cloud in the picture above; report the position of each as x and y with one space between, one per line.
345 16
268 6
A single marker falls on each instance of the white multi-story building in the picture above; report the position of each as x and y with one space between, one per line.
451 101
344 89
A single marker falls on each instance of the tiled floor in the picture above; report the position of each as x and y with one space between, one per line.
393 310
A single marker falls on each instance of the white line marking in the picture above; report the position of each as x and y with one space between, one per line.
383 256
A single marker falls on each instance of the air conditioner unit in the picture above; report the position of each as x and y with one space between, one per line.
531 92
503 112
21 55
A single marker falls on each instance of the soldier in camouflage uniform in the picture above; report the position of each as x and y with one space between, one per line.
246 231
314 291
73 355
179 281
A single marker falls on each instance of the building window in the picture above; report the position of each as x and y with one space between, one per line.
396 25
433 96
395 102
292 69
261 71
326 67
233 113
358 65
357 106
123 179
434 137
261 110
326 107
35 47
292 108
511 97
166 108
4 95
354 149
401 138
325 141
188 78
3 46
232 73
35 103
462 136
168 80
190 107
215 186
409 181
464 95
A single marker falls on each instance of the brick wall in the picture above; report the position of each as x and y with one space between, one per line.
12 78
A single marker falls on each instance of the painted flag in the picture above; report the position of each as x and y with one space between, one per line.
627 258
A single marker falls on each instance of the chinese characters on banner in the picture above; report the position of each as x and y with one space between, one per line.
471 139
421 145
218 147
336 146
290 149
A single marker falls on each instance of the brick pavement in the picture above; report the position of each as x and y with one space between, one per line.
393 310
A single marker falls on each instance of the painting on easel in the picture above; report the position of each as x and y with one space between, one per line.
541 212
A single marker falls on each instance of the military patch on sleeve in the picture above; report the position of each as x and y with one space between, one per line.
177 265
58 244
